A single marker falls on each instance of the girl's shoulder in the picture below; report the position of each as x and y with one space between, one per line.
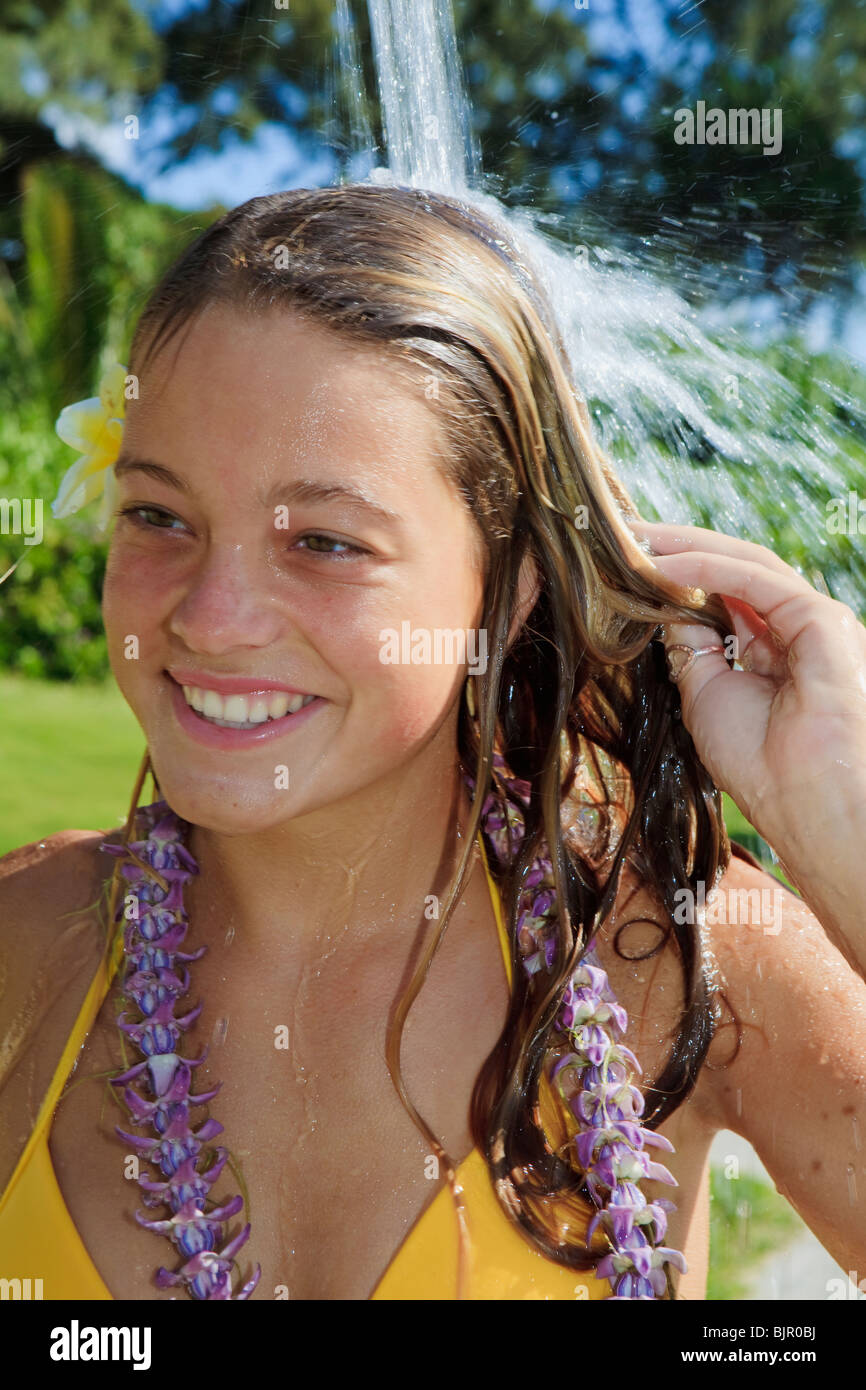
743 931
52 935
41 883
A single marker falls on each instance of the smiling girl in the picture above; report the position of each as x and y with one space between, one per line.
348 409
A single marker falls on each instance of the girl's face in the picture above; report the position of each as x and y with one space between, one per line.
286 504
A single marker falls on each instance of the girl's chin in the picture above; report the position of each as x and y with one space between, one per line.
233 806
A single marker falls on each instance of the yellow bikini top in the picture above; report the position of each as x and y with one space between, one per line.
39 1242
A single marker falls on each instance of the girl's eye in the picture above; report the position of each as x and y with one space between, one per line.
138 514
331 540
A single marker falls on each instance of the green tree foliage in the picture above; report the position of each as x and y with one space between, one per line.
63 225
87 57
93 251
571 104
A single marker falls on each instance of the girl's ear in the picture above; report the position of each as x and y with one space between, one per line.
528 589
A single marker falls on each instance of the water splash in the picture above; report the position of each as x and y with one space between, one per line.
344 91
425 112
695 421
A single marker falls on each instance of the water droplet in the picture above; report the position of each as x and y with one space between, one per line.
220 1028
230 935
852 1185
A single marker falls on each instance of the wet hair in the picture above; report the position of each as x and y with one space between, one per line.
442 292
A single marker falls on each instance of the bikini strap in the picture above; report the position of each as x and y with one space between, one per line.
87 1015
96 993
497 912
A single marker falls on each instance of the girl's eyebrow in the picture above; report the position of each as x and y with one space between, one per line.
126 463
302 490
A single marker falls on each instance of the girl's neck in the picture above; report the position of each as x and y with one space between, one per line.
367 864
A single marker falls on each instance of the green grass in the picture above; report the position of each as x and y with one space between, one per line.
748 1220
738 826
740 829
69 756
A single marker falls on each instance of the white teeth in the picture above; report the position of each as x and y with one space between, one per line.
234 708
243 711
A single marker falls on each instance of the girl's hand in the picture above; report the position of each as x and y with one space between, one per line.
785 736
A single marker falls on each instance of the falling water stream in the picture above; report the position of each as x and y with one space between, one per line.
688 411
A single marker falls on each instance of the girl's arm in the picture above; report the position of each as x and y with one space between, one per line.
796 1089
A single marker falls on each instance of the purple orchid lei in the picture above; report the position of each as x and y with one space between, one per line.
610 1145
155 980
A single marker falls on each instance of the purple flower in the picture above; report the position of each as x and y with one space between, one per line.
154 981
610 1145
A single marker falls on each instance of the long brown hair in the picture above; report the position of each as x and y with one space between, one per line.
436 285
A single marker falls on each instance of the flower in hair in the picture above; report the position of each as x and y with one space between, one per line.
94 427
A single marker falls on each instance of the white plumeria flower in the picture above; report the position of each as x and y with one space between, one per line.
95 428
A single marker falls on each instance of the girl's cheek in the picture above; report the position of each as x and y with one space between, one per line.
414 700
131 608
116 600
126 561
133 581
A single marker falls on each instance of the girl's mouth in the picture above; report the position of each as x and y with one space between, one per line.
243 711
236 720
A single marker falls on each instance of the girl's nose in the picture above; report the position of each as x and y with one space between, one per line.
228 603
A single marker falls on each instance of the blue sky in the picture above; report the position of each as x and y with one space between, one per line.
272 160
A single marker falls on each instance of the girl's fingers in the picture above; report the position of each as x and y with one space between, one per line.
707 686
755 647
667 539
793 611
751 643
691 674
764 656
768 592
